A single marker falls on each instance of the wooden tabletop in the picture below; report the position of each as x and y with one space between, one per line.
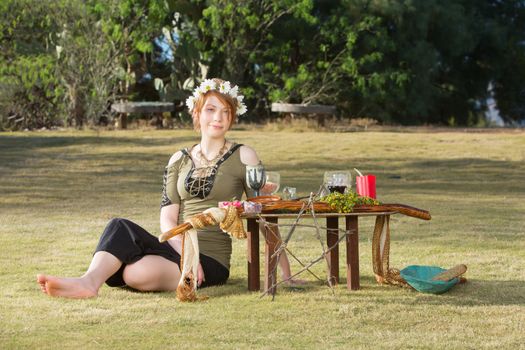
142 107
318 215
303 108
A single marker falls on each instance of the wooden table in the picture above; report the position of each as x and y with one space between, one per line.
272 243
292 109
141 107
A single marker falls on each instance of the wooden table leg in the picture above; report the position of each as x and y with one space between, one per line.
352 253
254 282
332 235
122 121
272 240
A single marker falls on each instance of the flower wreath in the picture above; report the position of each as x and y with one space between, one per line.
224 88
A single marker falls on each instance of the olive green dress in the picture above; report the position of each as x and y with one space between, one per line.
228 183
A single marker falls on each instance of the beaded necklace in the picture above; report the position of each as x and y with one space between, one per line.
199 181
205 162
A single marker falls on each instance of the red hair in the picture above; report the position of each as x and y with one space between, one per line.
226 99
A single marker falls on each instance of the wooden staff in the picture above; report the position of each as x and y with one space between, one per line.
177 230
272 204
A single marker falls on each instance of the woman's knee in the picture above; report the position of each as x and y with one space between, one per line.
151 275
136 276
116 222
117 227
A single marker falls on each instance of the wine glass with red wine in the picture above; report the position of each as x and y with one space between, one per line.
337 181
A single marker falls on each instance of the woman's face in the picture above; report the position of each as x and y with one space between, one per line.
214 119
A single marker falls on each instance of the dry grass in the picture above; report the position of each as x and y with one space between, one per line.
58 189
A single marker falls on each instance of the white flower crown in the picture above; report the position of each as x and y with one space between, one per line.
223 88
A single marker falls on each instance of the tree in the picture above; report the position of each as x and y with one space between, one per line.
235 35
410 62
88 63
509 67
30 93
66 58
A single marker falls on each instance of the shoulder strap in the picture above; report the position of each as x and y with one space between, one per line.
185 151
227 155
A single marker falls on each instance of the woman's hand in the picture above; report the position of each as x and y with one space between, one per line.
200 275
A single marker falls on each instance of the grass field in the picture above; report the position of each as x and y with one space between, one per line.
58 190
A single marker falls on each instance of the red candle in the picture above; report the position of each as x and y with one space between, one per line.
366 185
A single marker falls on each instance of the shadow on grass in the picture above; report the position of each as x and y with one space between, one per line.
36 153
472 293
29 142
462 176
234 286
43 169
20 148
483 292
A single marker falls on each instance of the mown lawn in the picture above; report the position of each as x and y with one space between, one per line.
58 190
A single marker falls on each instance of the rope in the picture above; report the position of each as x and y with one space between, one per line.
381 254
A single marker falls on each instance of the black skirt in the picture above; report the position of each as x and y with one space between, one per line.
129 243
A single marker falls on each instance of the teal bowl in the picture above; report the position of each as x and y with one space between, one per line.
420 278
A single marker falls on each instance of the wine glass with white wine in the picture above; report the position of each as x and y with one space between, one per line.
273 182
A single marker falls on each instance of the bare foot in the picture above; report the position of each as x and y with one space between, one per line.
76 288
42 282
295 282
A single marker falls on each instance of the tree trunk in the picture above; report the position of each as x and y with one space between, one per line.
77 109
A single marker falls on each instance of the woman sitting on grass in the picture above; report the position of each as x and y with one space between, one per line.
195 179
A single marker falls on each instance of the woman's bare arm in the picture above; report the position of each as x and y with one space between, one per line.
169 214
169 217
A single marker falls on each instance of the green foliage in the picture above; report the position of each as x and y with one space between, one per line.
70 55
408 62
507 30
235 36
186 68
88 63
345 202
137 22
30 93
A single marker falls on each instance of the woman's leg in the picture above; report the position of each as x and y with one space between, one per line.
123 242
152 273
103 265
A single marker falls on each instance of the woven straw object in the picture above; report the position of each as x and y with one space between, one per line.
232 223
381 254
